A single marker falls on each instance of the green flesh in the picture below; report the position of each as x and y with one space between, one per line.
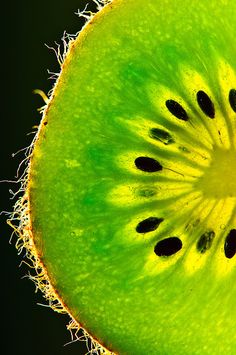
87 196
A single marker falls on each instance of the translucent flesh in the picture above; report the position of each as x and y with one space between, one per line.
87 196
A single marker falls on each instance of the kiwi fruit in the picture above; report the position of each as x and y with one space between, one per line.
129 212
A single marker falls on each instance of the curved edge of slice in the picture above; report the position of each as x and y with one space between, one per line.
20 220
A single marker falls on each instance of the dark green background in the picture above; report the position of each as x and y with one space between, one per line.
28 328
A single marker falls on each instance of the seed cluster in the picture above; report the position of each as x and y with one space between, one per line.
171 245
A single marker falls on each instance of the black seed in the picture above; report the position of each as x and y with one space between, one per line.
177 110
147 164
148 225
161 135
232 99
205 241
168 246
205 104
230 244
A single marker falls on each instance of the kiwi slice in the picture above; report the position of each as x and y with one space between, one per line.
131 191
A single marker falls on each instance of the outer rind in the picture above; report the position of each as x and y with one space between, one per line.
20 220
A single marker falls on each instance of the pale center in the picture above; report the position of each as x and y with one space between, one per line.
219 178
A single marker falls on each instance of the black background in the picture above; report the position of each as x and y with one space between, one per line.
28 328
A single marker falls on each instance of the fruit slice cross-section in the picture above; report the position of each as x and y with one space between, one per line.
132 180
